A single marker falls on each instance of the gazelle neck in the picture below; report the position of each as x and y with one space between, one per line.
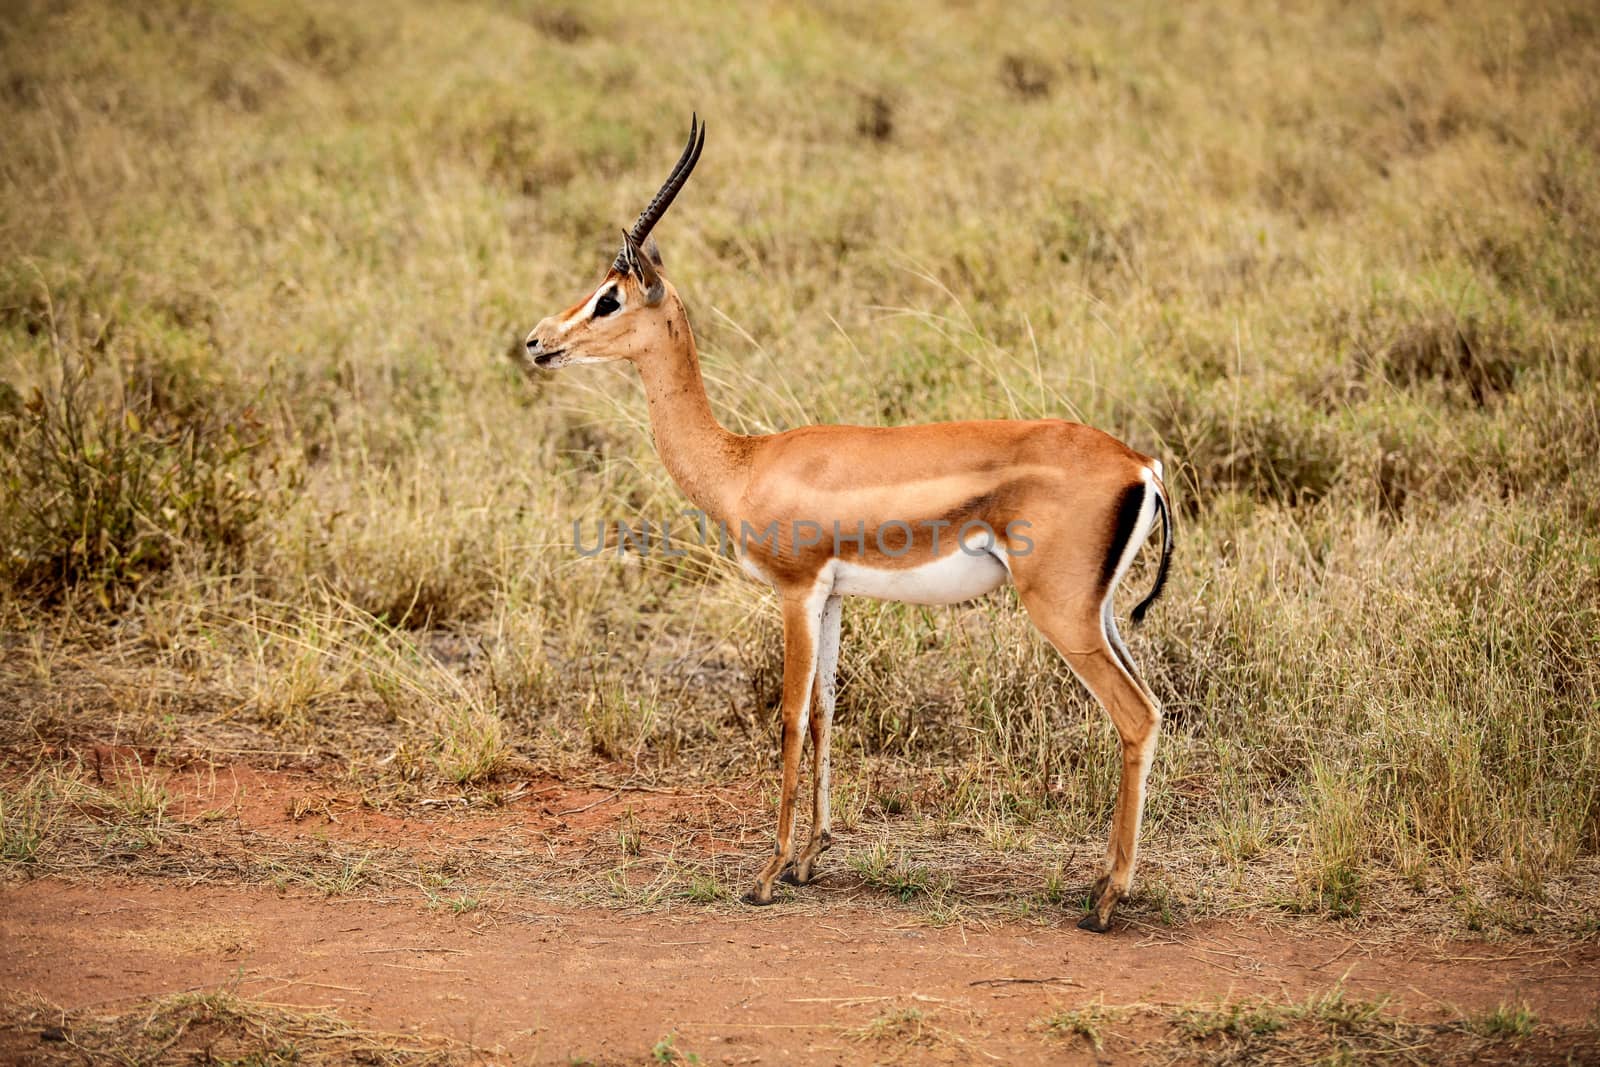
706 460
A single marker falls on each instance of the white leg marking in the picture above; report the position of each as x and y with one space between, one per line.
816 605
827 665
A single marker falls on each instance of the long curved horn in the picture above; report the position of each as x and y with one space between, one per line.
669 189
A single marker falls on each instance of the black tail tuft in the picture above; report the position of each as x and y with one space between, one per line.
1165 513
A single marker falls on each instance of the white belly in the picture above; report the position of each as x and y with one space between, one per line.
947 580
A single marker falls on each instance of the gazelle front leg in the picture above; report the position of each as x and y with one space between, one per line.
821 734
802 619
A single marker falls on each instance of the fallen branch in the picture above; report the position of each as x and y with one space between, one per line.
1027 981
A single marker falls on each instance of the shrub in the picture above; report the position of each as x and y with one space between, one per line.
104 492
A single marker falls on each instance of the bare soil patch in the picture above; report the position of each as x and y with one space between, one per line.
767 986
247 911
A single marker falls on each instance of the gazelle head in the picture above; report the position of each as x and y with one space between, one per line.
622 318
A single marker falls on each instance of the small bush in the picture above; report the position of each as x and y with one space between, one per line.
891 872
1333 854
1242 1019
1467 357
472 746
1508 1022
24 820
105 492
1272 448
1088 1022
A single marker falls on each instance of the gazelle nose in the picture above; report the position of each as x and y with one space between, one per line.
533 343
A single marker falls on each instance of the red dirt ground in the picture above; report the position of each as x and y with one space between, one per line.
767 987
546 983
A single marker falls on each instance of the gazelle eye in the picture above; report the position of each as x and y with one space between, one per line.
606 304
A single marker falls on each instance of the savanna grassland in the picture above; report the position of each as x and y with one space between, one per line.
276 493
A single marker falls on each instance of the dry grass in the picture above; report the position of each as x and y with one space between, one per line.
1329 1027
269 486
221 1026
215 1027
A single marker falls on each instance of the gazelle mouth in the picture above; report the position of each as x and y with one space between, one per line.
543 358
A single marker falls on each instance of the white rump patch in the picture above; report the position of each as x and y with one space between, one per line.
1141 527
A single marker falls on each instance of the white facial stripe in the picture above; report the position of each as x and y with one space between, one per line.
585 313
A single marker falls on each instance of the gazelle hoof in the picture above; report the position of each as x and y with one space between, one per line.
1092 922
754 899
788 877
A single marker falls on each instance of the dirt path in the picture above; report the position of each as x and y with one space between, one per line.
767 987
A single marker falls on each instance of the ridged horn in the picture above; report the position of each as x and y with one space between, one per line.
669 189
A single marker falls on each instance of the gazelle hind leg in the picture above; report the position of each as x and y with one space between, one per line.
822 694
801 622
1119 648
1081 637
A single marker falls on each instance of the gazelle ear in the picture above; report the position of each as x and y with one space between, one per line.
652 251
643 266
